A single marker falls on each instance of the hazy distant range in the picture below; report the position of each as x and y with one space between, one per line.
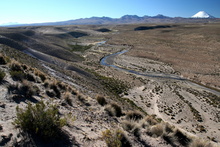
126 19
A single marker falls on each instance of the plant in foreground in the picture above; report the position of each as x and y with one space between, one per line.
41 120
115 138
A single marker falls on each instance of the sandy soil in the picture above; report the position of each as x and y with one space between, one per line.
177 102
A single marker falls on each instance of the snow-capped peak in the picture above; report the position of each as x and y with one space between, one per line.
202 14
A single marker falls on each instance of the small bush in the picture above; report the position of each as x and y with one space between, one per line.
41 120
2 75
15 66
27 90
134 115
128 125
56 90
68 98
170 139
2 60
115 138
29 77
51 93
114 110
149 121
101 100
156 130
62 86
182 138
17 75
132 127
168 128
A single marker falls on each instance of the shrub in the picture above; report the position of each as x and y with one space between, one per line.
41 120
68 99
56 90
101 100
134 115
2 60
182 138
2 75
149 121
15 66
115 138
156 130
51 93
114 110
17 75
128 125
29 77
168 128
27 90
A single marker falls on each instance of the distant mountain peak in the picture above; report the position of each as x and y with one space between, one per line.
202 14
160 16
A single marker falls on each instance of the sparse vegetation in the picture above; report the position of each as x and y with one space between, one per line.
182 138
114 110
41 120
68 98
115 138
79 48
3 60
156 130
134 115
101 100
2 75
27 82
17 75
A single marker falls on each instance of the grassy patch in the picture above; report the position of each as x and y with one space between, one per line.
115 86
127 100
79 48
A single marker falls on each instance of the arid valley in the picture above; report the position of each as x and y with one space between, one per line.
153 85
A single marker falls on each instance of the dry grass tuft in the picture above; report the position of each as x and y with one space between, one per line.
182 138
134 115
114 110
3 60
128 125
68 98
149 121
40 74
156 130
101 100
115 138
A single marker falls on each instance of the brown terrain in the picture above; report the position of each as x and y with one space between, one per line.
163 90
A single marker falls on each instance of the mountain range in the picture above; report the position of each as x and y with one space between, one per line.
201 17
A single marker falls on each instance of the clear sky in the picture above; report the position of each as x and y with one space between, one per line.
32 11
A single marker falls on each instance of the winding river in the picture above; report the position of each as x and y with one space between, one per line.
109 61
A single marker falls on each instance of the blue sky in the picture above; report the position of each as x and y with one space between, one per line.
32 11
